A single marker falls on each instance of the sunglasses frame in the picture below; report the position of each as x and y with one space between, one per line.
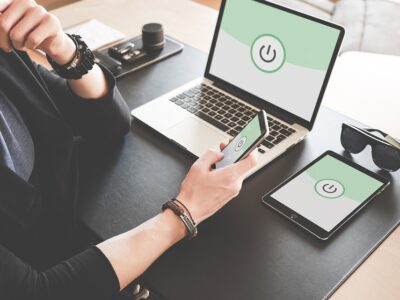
371 140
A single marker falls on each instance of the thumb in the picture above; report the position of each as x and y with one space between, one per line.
243 166
211 157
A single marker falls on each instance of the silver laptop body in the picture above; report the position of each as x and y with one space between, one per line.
193 115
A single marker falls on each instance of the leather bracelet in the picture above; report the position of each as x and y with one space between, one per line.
186 209
186 220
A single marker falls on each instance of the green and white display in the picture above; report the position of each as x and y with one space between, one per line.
327 192
273 54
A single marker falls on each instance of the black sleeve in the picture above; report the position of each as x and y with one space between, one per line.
88 275
102 119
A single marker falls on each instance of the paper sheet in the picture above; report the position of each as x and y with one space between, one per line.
95 34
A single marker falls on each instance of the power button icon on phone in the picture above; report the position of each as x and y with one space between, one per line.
268 53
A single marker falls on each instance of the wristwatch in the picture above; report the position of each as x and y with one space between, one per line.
79 65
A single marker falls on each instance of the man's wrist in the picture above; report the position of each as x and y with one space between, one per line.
174 224
66 52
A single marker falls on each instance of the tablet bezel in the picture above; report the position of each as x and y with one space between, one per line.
303 222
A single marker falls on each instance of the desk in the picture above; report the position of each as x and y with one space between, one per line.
377 277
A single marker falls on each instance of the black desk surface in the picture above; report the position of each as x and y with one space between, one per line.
245 251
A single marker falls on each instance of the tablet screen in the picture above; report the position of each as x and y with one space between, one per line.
327 191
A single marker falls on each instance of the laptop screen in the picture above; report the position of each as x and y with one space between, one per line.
274 54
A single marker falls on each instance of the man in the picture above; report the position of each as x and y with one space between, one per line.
41 117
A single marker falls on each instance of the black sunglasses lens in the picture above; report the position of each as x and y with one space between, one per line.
386 157
352 140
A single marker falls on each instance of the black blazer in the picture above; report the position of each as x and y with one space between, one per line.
57 119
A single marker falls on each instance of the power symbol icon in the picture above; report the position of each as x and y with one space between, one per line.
268 53
262 55
329 188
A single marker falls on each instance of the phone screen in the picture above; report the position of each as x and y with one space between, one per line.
241 143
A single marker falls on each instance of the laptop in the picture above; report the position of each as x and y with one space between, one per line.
263 56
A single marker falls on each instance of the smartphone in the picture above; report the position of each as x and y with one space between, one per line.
246 141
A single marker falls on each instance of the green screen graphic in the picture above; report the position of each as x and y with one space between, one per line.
274 54
308 44
241 143
327 192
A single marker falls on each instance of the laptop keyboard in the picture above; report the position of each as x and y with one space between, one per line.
228 114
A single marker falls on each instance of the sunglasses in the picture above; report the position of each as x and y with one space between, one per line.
385 149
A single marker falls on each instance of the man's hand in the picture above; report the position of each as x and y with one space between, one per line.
26 25
204 190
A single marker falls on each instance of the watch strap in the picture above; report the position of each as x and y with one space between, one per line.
82 62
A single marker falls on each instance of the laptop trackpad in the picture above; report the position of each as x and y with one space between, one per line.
195 135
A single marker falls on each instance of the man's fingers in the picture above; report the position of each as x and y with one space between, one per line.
20 32
222 145
241 168
210 157
4 4
9 17
45 30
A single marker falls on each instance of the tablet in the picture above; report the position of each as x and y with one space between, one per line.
325 194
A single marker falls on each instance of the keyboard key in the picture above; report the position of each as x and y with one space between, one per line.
212 113
205 110
181 96
192 110
225 121
292 130
234 119
262 151
179 102
221 111
184 105
189 94
209 105
246 118
278 140
173 99
231 124
276 127
273 133
241 122
248 113
285 132
232 111
233 132
239 114
212 121
238 128
281 137
267 144
235 105
228 115
218 117
225 107
270 138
